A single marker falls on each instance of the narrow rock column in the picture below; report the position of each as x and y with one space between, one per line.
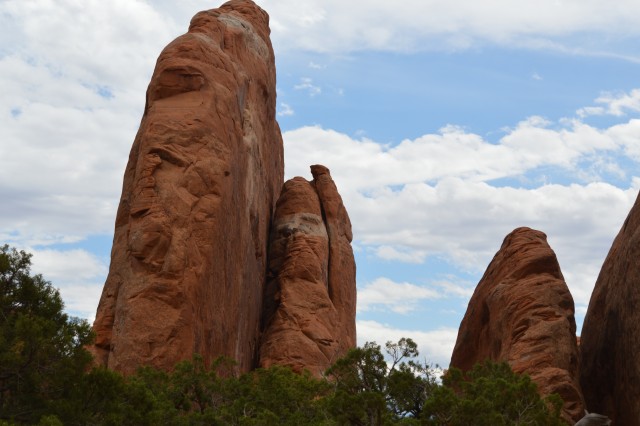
310 296
342 265
522 312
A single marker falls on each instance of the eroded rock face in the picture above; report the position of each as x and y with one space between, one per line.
310 296
522 312
610 339
190 244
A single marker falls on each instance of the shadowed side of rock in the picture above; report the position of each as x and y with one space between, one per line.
310 294
610 338
522 312
190 244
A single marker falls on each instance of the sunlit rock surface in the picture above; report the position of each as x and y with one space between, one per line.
190 246
310 297
522 312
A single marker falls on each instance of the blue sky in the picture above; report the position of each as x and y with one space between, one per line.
445 125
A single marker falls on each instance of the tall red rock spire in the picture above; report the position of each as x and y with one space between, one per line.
190 244
310 297
610 339
522 312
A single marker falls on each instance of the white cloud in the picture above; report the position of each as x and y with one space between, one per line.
73 95
453 152
78 274
69 266
306 84
587 111
93 49
285 110
81 300
335 26
435 195
617 104
435 346
399 254
400 298
457 290
628 135
325 26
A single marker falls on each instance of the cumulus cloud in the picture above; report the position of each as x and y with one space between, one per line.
335 26
435 346
397 297
436 195
285 110
73 93
307 85
617 104
78 274
321 26
453 152
451 288
400 254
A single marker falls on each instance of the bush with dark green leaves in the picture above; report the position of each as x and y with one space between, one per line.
46 378
490 394
42 357
369 390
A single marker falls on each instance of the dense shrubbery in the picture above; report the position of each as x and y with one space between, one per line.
45 379
41 349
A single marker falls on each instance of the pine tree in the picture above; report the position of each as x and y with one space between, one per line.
42 355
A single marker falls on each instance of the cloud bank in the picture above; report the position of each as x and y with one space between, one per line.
73 93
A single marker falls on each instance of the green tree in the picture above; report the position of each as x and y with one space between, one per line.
490 394
409 382
278 396
370 391
104 397
195 393
46 379
42 355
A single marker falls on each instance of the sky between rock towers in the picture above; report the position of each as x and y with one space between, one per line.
445 125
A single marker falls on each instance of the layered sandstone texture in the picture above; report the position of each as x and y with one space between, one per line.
310 294
610 339
522 312
190 245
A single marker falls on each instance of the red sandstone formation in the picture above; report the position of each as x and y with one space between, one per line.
190 244
342 266
310 295
522 312
610 340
